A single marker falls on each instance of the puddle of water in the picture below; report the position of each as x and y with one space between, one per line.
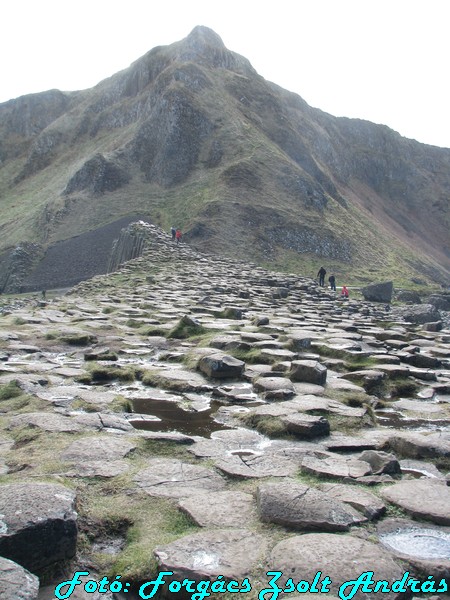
419 543
174 418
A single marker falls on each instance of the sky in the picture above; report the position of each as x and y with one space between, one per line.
386 61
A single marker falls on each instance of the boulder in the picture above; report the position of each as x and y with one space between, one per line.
309 371
218 366
378 292
381 462
422 313
305 426
274 387
16 583
39 524
408 296
299 506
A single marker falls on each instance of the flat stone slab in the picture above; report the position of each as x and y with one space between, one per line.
251 466
46 421
341 557
418 445
38 525
427 499
99 468
233 553
299 506
336 467
98 448
16 583
181 380
171 478
220 509
368 504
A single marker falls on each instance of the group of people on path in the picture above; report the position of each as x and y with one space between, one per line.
176 234
332 281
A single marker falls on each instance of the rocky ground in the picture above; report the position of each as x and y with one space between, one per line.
201 416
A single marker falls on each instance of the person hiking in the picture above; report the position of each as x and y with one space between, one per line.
332 282
344 292
178 235
321 275
173 231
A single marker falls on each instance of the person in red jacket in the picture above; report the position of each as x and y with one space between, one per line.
344 292
178 235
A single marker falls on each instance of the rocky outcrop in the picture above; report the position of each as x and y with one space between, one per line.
39 524
378 292
98 175
190 131
130 244
17 265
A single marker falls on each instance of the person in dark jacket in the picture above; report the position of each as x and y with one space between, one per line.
332 282
173 231
321 275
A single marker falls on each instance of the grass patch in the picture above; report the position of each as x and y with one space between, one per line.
78 339
252 356
186 328
10 390
97 373
270 426
108 510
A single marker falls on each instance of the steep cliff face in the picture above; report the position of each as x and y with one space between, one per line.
191 135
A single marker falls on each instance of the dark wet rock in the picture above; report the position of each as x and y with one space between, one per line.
220 509
171 478
425 547
336 467
300 556
298 506
39 524
378 292
370 378
305 426
338 442
422 498
408 296
440 301
299 341
381 462
309 371
368 504
422 361
16 583
233 553
218 366
420 313
279 388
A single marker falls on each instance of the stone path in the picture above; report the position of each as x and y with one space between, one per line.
246 406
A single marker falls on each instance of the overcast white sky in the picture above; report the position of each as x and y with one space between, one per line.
386 61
